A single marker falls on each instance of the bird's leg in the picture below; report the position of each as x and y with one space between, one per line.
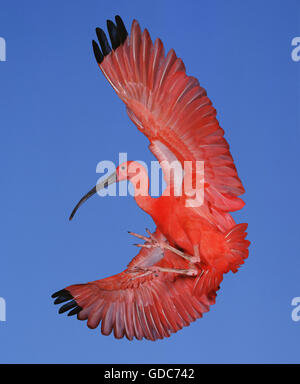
153 242
191 259
155 269
135 271
196 253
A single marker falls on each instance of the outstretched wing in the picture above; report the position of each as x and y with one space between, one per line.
172 110
140 305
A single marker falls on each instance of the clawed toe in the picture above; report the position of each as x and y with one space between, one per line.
151 241
138 236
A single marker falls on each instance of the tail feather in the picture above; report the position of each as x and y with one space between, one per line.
237 246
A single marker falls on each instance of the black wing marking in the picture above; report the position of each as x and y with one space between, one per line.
61 297
113 34
97 52
106 49
117 34
121 29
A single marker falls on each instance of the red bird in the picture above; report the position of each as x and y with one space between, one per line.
174 278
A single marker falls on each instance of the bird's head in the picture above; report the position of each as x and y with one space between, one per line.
129 170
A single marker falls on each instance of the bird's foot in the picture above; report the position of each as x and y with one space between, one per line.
152 242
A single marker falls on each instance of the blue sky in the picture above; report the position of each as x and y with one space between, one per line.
60 117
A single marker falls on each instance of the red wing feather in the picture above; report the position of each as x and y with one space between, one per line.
171 108
138 305
152 309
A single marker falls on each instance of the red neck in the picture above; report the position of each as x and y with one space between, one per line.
140 182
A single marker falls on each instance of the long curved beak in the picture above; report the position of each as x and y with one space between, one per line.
105 183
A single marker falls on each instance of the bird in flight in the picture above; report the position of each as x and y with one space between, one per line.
174 278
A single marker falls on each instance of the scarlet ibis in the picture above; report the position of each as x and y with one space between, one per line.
174 278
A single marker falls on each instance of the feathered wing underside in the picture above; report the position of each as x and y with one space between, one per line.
140 305
174 112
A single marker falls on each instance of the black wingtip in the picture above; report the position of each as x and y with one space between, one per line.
121 29
75 311
63 296
99 58
105 47
60 300
70 305
62 292
117 34
113 34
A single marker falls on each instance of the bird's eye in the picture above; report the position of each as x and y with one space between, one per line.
123 167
